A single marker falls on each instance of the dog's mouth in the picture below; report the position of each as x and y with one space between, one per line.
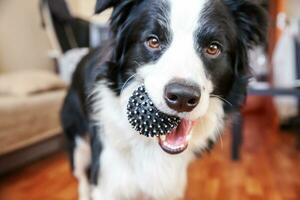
177 140
172 132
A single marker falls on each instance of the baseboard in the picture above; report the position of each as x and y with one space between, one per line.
19 158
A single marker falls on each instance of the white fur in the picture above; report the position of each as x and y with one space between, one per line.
180 61
82 160
133 166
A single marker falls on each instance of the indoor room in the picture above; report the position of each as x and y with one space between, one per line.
150 100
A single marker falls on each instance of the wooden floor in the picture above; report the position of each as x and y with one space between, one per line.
269 170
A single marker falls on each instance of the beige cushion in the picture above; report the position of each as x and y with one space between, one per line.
24 83
27 120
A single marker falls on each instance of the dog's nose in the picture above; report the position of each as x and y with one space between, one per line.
182 97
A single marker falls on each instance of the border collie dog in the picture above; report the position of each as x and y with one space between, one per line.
192 59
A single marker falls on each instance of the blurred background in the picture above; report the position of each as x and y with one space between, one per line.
41 41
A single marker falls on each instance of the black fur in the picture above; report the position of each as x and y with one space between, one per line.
237 24
132 22
104 4
251 22
96 148
75 117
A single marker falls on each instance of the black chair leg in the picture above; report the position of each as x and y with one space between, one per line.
237 133
298 139
298 116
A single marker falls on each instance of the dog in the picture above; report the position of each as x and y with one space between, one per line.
192 59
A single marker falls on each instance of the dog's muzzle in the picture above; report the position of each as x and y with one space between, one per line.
145 118
173 133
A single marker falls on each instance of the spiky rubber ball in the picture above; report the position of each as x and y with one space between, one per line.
145 118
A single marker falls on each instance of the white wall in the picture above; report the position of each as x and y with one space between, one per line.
293 8
85 9
23 43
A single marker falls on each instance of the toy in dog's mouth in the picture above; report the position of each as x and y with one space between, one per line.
173 133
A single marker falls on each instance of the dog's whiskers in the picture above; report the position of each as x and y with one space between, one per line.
127 81
131 77
222 99
136 62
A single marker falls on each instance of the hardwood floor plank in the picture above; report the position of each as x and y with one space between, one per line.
269 170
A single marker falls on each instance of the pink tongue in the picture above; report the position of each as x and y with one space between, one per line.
179 135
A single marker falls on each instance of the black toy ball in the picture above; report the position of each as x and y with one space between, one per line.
145 118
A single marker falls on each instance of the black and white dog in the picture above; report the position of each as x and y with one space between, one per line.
191 57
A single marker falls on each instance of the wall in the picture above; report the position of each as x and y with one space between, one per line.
85 9
23 43
293 7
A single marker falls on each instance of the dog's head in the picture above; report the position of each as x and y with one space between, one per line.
186 53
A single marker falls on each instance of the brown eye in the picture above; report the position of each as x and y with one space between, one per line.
153 43
213 50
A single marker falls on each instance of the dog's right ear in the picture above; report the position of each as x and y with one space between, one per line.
102 5
121 10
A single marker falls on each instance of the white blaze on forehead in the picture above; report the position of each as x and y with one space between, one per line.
181 56
181 60
185 14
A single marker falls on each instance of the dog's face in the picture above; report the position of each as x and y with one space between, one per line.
186 53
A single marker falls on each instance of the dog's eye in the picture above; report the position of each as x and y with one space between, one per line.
153 43
213 50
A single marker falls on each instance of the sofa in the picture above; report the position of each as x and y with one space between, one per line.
30 101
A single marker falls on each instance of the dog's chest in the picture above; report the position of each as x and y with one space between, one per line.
141 168
133 164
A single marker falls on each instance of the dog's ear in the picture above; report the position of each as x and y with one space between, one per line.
252 24
121 10
251 19
102 5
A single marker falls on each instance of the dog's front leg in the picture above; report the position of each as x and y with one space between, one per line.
82 161
99 193
83 189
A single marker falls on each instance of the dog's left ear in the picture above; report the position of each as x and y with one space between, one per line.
102 5
251 19
252 23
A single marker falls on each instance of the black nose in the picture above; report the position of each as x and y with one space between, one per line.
182 97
